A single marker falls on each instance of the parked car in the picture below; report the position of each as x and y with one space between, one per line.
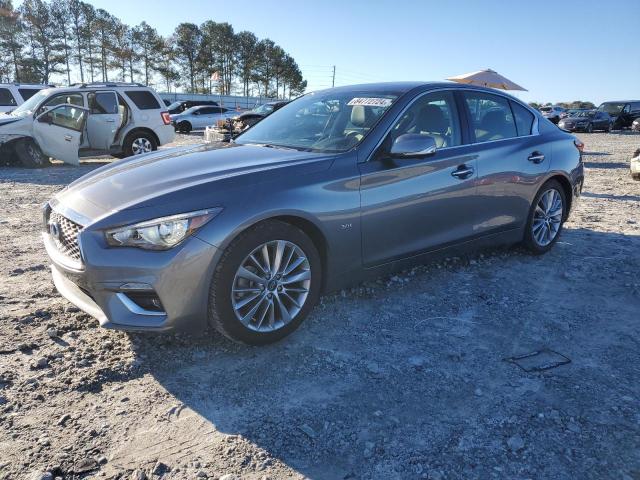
622 113
335 187
120 119
586 121
181 105
635 165
635 126
13 95
198 118
552 113
250 118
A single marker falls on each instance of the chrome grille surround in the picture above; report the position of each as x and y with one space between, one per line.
66 239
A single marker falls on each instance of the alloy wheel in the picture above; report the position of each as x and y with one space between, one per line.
547 217
141 145
271 286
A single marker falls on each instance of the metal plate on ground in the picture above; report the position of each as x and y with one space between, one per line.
540 360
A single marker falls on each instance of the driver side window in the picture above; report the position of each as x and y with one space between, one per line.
435 115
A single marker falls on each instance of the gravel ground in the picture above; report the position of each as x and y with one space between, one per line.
400 378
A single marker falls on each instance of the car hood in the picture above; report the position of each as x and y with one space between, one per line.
6 120
147 180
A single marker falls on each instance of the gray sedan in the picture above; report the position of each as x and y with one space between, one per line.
337 186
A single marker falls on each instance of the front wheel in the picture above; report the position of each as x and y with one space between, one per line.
546 218
30 155
139 143
265 284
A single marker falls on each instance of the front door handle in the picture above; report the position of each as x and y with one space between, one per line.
111 120
68 138
462 172
536 157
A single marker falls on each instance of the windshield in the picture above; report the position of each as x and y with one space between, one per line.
611 108
266 108
331 121
545 109
584 114
28 107
174 105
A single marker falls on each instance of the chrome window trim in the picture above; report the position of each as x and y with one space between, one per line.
535 128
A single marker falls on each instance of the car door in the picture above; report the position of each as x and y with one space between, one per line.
103 120
58 132
511 155
409 206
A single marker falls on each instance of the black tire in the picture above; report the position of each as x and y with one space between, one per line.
590 128
30 155
134 139
636 176
529 241
184 127
221 313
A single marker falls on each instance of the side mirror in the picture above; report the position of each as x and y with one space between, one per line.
46 118
413 145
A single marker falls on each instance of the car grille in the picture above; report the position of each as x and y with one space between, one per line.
67 239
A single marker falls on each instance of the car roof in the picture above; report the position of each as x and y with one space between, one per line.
619 101
400 88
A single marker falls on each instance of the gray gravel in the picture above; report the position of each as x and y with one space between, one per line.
398 378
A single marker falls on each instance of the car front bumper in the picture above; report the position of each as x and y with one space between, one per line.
109 282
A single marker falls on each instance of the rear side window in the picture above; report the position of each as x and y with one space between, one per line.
103 103
524 119
6 98
143 99
490 116
27 93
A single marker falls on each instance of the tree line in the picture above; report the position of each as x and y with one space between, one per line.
42 41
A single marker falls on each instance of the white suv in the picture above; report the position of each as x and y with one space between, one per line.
119 119
13 95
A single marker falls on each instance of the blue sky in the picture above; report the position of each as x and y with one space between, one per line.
558 49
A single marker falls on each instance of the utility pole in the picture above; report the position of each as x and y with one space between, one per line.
333 78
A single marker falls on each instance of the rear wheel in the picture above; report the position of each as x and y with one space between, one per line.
185 127
265 284
139 143
546 218
590 128
30 155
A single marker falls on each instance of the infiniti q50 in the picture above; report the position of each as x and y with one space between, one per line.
337 186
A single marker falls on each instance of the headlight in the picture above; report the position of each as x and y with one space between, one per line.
160 233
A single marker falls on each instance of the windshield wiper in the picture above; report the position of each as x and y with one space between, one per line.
280 147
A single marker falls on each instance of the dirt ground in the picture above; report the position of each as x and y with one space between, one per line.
400 378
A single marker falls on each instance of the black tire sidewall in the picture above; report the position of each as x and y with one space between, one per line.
26 159
128 144
529 242
184 127
221 314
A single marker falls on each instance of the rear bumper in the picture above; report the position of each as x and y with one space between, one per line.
105 285
166 134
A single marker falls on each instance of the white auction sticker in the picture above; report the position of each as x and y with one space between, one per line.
370 102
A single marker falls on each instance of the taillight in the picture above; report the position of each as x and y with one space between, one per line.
579 145
166 118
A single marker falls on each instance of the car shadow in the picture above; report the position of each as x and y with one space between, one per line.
624 198
57 174
396 376
606 165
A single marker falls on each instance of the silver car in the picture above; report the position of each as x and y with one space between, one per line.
337 186
200 117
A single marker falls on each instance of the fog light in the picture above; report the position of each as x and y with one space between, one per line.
146 300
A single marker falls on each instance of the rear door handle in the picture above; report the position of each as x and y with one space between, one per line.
536 157
462 172
111 120
68 138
